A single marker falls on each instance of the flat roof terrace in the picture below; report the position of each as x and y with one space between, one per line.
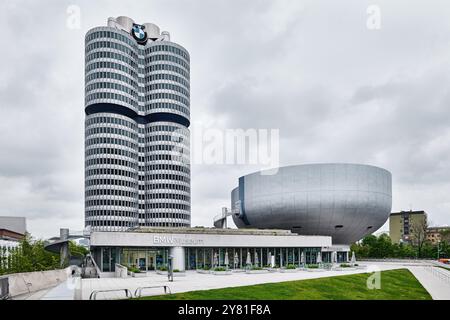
206 230
205 237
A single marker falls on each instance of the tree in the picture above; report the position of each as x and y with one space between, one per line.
369 240
29 256
418 233
384 246
445 235
77 250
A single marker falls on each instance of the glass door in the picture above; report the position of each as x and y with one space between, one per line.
108 259
151 261
142 263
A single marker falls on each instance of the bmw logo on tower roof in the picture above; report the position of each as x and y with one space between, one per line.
139 34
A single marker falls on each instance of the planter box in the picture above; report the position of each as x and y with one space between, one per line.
315 270
238 270
203 271
360 267
256 271
288 270
175 274
222 273
163 273
138 275
344 269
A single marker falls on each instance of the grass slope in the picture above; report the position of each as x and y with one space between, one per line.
395 285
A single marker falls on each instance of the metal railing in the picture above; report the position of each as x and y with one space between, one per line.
128 294
94 293
4 288
442 274
138 292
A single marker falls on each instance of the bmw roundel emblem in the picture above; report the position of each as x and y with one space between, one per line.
139 34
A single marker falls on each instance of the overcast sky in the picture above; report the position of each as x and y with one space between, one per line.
337 90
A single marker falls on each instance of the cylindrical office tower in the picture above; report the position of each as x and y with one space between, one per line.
137 168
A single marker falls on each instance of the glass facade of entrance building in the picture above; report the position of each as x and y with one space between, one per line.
153 258
145 259
237 258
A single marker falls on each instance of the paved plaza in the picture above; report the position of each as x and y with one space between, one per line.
435 280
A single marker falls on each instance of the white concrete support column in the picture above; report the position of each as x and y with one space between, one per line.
178 254
204 257
78 292
196 258
240 259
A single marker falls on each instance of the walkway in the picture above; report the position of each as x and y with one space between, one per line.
64 291
37 295
435 280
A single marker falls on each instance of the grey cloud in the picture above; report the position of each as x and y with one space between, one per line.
337 91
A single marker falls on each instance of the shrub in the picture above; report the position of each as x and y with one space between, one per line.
134 270
220 269
176 270
312 266
162 268
345 265
291 266
30 256
256 268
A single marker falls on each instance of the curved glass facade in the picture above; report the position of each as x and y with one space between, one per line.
137 102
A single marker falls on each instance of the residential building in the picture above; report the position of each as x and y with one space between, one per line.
401 224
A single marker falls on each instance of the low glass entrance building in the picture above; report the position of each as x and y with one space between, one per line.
238 258
196 248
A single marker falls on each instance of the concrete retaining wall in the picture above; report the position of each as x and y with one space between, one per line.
22 283
121 271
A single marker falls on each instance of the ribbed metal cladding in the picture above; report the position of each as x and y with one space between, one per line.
137 102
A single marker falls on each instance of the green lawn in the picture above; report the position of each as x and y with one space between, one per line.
395 285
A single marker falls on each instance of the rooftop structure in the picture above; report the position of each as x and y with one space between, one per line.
12 228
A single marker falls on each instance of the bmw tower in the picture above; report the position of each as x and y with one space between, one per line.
137 149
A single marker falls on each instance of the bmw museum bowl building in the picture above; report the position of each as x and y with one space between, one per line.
344 201
137 174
